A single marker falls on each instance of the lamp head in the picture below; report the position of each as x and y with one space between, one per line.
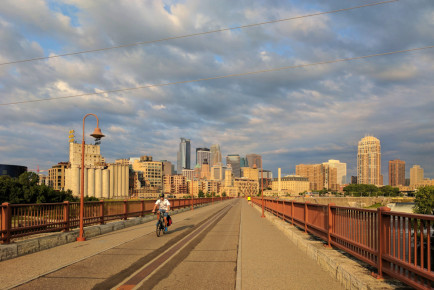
97 133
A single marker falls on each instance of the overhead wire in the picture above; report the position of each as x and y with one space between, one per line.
195 34
221 77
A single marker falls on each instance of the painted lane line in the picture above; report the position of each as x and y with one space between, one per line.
141 275
238 280
151 231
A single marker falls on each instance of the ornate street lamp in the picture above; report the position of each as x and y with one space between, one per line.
262 190
97 135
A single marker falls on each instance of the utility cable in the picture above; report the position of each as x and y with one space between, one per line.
195 34
221 77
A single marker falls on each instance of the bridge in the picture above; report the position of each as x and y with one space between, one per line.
224 245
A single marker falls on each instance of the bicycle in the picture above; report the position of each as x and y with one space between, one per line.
160 225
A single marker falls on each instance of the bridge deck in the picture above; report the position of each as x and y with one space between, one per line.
201 250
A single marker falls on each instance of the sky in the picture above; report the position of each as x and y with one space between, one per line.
302 115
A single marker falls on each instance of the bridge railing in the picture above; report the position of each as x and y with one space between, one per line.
397 244
19 220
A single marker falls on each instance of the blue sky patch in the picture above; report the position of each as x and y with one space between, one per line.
67 10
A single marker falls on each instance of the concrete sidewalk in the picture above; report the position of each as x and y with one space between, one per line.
269 260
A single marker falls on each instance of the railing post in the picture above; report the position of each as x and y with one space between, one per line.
329 224
101 211
125 209
142 208
382 235
292 212
283 210
66 216
6 222
306 215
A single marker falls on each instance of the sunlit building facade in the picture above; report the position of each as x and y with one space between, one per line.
184 155
369 161
396 172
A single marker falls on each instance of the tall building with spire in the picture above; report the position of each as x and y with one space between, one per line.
216 155
369 161
184 155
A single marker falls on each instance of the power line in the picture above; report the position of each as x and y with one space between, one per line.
221 77
196 34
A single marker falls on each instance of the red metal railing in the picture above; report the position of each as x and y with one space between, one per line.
398 244
19 220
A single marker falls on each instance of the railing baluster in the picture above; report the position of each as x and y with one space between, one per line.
428 248
415 241
421 243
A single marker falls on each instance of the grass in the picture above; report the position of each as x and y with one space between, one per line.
375 205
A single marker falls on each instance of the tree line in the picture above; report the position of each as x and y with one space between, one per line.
371 190
25 189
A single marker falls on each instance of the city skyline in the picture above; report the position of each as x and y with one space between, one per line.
296 116
286 170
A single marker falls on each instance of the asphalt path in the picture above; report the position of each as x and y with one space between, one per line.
107 268
223 246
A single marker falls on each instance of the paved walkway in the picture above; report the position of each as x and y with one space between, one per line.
265 259
269 260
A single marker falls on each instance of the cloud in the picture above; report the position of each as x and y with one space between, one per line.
303 115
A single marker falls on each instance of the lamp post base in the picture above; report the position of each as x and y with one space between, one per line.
81 239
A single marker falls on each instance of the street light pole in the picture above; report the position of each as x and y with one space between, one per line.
262 189
96 134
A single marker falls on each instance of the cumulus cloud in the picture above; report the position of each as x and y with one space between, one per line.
303 115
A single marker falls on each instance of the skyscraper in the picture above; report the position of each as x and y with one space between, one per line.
253 159
319 175
416 175
184 155
243 162
396 172
216 155
234 161
369 161
341 170
202 154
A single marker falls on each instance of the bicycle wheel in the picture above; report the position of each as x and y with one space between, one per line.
158 231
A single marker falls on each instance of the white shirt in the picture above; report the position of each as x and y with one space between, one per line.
163 204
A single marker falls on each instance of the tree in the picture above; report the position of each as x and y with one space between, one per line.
25 189
388 190
361 190
201 194
224 194
424 200
323 192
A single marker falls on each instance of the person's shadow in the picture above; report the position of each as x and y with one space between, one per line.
178 229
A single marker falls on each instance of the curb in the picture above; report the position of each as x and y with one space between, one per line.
13 250
350 273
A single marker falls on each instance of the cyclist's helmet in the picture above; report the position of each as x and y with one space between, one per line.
162 195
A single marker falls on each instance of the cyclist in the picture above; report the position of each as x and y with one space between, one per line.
249 200
163 207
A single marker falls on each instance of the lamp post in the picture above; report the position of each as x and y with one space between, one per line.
262 190
98 135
